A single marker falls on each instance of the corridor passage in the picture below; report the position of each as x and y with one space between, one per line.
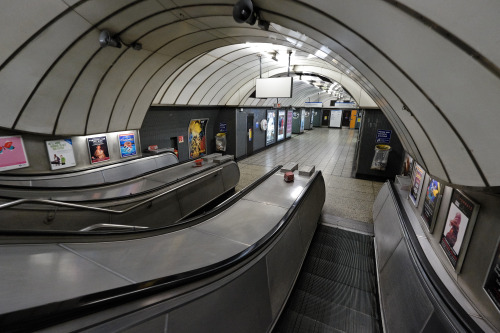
331 151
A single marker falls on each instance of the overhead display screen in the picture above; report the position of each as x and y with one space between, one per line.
275 87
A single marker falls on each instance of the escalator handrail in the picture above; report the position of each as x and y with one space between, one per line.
102 210
44 316
434 286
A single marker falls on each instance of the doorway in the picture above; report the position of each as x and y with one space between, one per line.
325 118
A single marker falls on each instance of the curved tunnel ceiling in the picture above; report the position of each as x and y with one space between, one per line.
431 66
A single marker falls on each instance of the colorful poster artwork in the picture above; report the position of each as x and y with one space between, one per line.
197 140
98 149
12 153
127 145
271 128
60 154
416 184
492 283
459 217
431 201
289 119
281 125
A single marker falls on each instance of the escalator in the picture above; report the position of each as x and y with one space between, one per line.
336 290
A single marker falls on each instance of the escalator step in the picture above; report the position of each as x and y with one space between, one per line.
343 257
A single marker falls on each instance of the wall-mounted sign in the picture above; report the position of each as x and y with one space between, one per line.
431 203
289 119
458 228
383 136
98 149
60 154
127 145
197 140
12 153
417 180
180 139
222 127
281 125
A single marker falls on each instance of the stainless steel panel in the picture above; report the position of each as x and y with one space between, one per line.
387 232
210 157
245 222
91 178
195 195
30 271
240 306
128 171
380 200
164 160
276 191
230 175
154 257
283 265
405 303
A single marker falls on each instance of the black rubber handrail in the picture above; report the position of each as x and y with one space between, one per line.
435 288
44 316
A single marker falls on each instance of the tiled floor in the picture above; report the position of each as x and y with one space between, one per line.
332 152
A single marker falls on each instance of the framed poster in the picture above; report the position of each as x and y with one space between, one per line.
289 119
492 282
458 228
98 149
127 145
60 154
281 125
197 140
407 165
12 153
432 201
271 127
417 180
302 120
335 118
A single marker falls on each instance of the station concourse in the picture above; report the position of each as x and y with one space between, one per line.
144 144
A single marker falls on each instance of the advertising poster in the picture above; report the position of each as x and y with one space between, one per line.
98 149
197 140
492 283
281 125
431 203
60 154
12 153
127 145
271 128
416 184
289 119
461 216
302 120
407 165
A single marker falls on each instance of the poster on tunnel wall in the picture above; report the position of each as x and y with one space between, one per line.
458 228
60 154
271 127
197 141
98 149
12 153
289 119
127 145
492 283
281 125
431 203
417 181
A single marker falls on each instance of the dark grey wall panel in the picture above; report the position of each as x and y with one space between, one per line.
162 123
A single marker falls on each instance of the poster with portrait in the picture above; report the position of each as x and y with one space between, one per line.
289 119
281 125
127 145
197 140
458 227
417 180
492 282
12 153
431 203
60 154
98 149
407 165
271 127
